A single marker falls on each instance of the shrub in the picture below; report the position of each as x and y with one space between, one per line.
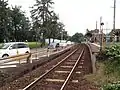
113 59
111 87
102 56
113 52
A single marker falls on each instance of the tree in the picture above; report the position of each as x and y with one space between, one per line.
14 25
41 16
60 30
65 35
53 28
45 20
4 20
69 38
77 37
41 12
20 24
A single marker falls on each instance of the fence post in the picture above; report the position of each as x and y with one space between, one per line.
29 58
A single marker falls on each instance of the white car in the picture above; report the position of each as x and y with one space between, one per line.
62 44
52 45
13 48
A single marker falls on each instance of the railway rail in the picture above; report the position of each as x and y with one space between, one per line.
65 73
62 75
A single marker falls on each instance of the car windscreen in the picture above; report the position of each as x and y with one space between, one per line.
4 46
22 45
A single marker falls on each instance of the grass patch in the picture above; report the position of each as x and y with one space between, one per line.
101 78
34 45
0 45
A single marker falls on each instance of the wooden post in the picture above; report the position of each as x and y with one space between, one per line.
29 58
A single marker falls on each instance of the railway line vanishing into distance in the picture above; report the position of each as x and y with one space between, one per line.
64 73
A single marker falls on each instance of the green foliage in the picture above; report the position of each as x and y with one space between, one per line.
14 25
113 52
20 24
41 14
45 21
4 20
112 65
77 37
111 68
34 45
111 87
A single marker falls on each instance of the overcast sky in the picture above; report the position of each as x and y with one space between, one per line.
78 15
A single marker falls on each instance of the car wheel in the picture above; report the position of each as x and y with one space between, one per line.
5 56
27 52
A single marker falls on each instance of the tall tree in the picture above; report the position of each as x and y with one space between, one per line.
4 20
20 24
60 29
41 13
52 28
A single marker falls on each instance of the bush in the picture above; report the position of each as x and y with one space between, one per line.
111 87
102 56
111 57
112 62
112 65
113 52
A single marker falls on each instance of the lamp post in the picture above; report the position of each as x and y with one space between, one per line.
114 19
41 39
61 36
36 43
101 44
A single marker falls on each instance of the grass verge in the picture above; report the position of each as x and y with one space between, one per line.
34 45
100 78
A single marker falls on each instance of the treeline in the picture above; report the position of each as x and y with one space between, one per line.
15 26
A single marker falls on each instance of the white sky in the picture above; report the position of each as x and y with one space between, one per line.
78 15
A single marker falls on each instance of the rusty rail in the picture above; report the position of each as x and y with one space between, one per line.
39 78
63 86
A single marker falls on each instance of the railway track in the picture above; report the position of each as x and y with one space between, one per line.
65 75
66 72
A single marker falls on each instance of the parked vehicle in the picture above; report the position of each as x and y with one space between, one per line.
63 44
13 48
52 45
